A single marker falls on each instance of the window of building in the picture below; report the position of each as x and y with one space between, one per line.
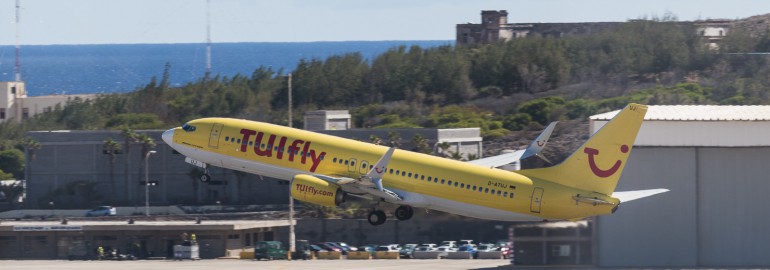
2 113
13 89
234 236
24 113
247 240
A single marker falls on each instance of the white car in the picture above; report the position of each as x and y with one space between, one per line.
388 248
443 251
449 243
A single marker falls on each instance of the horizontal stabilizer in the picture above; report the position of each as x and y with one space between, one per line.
537 146
626 196
533 149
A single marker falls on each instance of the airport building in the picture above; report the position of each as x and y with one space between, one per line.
16 105
144 238
714 159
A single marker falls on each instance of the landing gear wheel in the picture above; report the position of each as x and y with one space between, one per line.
205 177
404 212
376 217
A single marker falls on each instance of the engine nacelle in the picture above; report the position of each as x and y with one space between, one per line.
310 189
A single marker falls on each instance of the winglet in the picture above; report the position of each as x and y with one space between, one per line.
538 144
627 196
379 169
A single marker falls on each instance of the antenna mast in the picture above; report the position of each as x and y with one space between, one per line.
208 39
17 67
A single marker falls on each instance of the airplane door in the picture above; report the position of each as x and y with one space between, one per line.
537 198
364 169
216 129
352 166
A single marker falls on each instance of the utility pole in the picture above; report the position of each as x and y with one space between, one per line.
208 40
290 118
17 67
147 183
292 241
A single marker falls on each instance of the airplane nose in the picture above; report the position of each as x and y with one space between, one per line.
168 136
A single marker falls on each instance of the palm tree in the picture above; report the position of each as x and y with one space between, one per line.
32 145
130 137
394 138
148 143
111 147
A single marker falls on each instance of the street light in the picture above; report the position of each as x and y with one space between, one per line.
292 247
147 183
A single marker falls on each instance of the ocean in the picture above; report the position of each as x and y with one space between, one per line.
116 68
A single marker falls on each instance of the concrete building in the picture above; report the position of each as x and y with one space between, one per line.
15 104
53 239
327 120
494 27
714 159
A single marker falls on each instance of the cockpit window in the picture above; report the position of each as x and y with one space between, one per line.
188 128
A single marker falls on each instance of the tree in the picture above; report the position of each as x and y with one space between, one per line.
111 148
12 161
31 145
130 137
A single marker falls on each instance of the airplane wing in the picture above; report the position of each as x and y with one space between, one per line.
533 149
371 183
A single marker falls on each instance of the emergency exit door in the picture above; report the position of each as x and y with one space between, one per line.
216 129
537 198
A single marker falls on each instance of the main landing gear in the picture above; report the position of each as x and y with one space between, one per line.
404 212
377 217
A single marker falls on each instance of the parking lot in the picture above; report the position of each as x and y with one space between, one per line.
248 264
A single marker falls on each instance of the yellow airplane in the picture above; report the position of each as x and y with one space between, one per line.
324 169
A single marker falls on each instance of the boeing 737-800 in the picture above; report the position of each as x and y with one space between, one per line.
324 169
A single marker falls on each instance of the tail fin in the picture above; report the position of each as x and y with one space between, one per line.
596 166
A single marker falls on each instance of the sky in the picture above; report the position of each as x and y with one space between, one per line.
184 21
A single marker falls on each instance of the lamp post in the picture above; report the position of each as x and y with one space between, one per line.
292 244
147 183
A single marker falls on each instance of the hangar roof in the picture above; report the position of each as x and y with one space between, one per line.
699 126
699 113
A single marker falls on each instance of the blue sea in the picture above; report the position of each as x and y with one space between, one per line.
114 68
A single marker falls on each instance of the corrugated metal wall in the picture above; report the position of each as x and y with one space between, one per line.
715 214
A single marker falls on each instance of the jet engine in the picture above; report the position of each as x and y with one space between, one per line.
308 188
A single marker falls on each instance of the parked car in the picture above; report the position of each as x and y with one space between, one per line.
449 244
482 247
371 249
315 249
388 248
426 248
101 211
465 242
269 250
342 249
346 246
407 250
469 248
443 251
327 247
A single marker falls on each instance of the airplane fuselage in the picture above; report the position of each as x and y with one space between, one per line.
422 180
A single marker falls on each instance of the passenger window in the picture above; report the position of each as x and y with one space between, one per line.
403 173
346 162
442 181
430 178
410 174
391 171
462 185
449 182
455 184
334 160
422 177
474 188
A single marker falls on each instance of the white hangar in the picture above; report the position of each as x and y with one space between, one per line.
716 162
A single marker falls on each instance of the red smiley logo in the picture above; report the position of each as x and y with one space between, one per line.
379 170
595 169
539 143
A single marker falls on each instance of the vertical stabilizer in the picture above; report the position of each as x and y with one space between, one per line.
597 165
